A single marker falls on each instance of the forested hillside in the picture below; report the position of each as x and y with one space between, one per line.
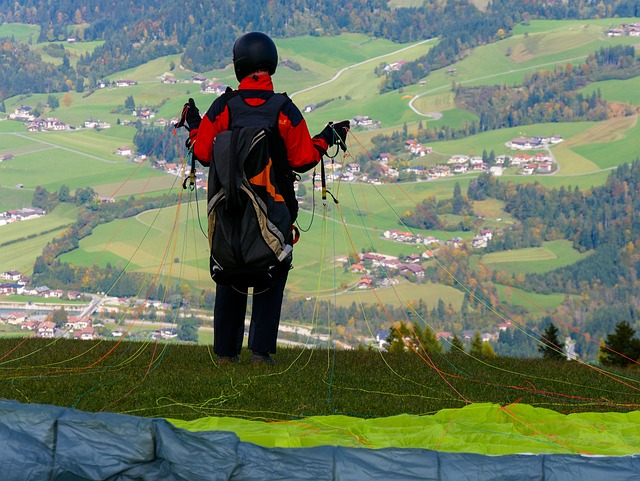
203 33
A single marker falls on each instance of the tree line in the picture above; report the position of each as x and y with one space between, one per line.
551 95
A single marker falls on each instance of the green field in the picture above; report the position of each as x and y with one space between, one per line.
538 260
625 91
23 241
21 32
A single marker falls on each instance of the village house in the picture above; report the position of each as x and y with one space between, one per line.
381 338
412 270
395 66
443 335
144 113
168 333
8 288
86 334
362 121
357 268
11 275
459 169
124 151
15 318
520 159
428 254
26 213
478 242
29 325
22 114
46 329
413 258
198 79
42 291
440 171
416 148
399 236
77 323
458 159
376 260
545 167
124 83
489 336
217 88
353 167
525 143
74 295
503 326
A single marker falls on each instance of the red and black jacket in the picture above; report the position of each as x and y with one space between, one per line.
303 151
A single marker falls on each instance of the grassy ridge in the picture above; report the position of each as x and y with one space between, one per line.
182 382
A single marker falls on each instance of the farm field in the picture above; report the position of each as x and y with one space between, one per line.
22 242
626 91
534 260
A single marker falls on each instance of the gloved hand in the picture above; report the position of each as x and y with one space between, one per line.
192 116
335 133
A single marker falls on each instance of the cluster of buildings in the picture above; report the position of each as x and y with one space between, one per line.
377 269
79 328
13 282
540 162
50 124
17 215
625 29
372 263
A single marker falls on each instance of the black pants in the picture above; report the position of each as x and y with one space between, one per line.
229 313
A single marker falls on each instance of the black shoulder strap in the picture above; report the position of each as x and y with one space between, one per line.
264 115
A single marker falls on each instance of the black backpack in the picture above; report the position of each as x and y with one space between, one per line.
251 201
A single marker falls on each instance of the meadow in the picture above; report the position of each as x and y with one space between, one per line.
152 379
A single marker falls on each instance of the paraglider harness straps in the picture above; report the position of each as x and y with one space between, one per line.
323 176
191 177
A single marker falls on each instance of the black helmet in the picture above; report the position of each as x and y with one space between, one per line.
254 51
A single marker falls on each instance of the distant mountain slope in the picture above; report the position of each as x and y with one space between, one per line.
204 32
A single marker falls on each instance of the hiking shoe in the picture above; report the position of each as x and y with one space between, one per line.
224 360
262 358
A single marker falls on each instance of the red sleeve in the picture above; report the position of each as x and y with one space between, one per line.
303 151
214 122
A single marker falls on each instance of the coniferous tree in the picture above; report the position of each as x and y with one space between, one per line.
476 349
550 346
456 344
620 348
